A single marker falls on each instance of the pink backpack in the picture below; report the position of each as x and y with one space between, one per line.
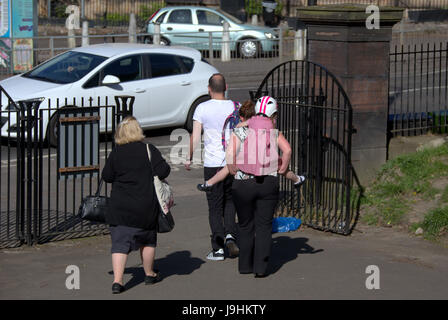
258 154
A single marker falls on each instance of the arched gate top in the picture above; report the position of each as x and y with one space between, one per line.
305 82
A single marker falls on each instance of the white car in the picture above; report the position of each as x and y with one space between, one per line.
167 82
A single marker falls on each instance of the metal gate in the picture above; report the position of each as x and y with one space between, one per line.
315 116
42 185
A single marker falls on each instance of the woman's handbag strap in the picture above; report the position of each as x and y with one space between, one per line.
98 190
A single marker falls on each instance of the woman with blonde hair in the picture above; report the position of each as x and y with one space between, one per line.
133 207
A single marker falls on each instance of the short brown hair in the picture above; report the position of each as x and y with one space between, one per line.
128 131
247 110
217 83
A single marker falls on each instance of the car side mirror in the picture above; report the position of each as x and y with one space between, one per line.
110 80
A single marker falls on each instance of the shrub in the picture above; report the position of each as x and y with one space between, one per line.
435 223
253 7
147 10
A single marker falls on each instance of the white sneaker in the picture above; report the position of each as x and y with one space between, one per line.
216 255
300 181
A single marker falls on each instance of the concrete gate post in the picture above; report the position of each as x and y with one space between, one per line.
343 39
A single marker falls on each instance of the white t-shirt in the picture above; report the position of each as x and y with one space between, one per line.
212 114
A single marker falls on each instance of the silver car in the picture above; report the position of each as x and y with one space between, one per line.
192 26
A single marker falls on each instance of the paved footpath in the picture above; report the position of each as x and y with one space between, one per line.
305 264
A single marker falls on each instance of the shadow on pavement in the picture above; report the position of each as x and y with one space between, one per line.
177 263
285 249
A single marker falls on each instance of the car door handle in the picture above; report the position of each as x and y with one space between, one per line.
169 28
139 90
185 83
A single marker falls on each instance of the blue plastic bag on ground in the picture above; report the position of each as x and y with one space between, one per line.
285 224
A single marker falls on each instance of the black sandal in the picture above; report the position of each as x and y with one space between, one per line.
152 280
204 187
117 288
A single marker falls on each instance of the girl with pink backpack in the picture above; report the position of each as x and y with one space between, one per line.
246 112
252 157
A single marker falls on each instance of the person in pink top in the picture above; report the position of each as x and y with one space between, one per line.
252 157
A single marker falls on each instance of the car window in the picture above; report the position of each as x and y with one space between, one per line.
180 16
208 18
127 69
188 63
163 65
230 17
68 67
162 16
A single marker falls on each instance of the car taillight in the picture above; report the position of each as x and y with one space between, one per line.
152 16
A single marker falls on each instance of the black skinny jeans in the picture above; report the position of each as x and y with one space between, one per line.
220 209
255 202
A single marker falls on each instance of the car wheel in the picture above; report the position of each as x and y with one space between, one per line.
52 130
164 42
147 40
249 48
189 123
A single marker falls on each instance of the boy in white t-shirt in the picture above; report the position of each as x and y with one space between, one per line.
210 116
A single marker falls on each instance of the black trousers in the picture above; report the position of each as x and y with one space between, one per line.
221 210
255 202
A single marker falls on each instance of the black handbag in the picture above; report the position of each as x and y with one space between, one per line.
165 222
93 208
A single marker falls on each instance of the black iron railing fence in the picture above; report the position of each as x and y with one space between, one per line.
10 221
418 89
42 184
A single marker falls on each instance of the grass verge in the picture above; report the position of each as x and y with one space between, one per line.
406 184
